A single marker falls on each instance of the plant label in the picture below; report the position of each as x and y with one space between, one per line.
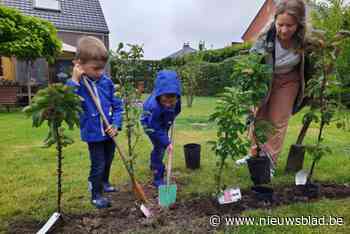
145 211
227 196
53 219
230 195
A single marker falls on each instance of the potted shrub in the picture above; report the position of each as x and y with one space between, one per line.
326 50
254 76
326 90
252 82
230 134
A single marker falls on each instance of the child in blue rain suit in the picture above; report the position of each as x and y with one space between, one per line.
91 59
159 112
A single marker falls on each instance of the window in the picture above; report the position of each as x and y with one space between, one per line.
1 69
53 5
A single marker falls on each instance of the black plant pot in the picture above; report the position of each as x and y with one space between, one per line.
259 169
263 193
310 190
192 155
295 158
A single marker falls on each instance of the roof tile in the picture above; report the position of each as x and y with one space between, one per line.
80 15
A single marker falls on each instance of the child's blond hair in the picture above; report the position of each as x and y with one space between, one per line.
91 49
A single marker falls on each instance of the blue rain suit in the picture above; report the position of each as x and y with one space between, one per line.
157 119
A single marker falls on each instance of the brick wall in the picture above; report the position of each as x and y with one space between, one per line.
264 15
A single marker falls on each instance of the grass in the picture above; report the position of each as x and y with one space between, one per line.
28 172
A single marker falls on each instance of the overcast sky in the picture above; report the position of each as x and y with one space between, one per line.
164 25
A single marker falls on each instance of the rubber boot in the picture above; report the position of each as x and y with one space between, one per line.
158 177
96 195
108 188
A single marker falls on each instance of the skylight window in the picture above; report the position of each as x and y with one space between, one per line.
52 5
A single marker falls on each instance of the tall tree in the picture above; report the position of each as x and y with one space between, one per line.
27 38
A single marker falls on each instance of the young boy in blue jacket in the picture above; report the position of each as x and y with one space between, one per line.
91 58
159 113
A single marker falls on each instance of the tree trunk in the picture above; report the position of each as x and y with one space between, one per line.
189 99
322 100
29 67
51 74
129 134
190 96
322 110
311 172
218 182
59 168
319 139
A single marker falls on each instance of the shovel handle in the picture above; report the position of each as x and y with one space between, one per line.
107 124
168 174
170 155
137 187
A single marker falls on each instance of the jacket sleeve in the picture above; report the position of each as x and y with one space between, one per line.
77 88
73 84
117 109
154 129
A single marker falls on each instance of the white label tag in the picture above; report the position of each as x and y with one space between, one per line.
145 211
54 217
230 195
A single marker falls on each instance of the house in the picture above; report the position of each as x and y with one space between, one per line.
186 49
261 19
73 19
264 16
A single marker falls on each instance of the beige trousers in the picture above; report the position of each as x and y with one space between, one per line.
278 109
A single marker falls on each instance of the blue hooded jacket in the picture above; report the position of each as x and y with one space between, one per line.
91 125
155 118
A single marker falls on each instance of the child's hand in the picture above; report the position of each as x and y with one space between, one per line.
111 131
170 148
77 72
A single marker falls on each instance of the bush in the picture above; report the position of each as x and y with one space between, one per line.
216 67
220 55
215 77
343 67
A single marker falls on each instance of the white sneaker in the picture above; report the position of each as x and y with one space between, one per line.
243 160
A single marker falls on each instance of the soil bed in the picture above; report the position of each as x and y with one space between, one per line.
190 216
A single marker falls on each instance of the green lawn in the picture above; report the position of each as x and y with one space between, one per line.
28 182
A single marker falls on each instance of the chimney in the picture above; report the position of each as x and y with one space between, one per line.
201 45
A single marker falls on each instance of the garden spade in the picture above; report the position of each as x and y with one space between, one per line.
137 188
301 177
167 193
